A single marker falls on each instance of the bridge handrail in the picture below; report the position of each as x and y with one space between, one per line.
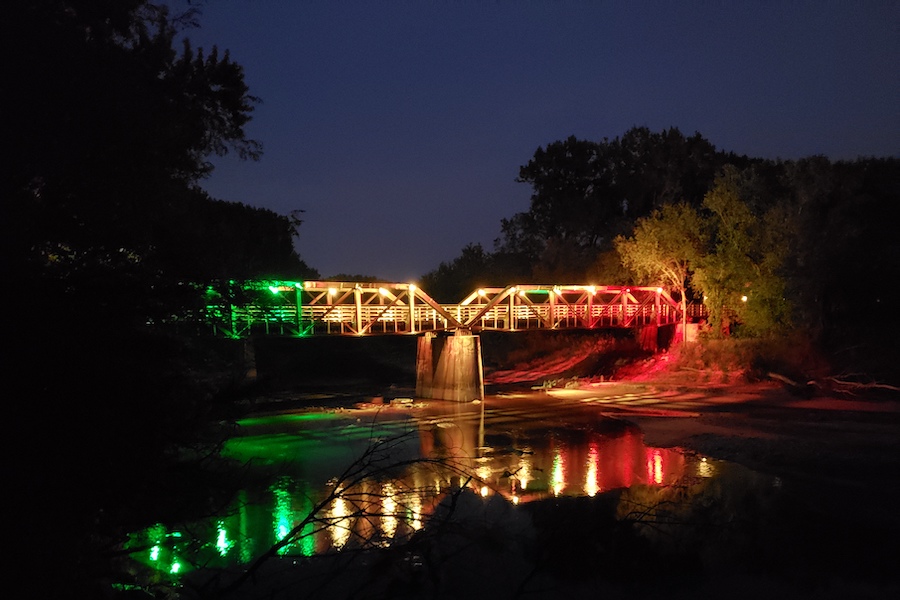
359 308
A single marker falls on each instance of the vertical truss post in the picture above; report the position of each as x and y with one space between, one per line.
589 308
552 302
298 303
357 295
411 292
658 311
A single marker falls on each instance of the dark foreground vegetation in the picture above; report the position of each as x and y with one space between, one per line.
114 418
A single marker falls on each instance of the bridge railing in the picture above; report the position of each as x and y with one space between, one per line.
566 317
355 308
564 307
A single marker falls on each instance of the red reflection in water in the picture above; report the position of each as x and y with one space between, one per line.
654 466
592 477
585 464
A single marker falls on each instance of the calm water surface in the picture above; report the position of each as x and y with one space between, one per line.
348 479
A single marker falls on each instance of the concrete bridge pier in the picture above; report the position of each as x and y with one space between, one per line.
449 367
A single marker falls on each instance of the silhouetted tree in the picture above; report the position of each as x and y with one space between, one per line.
452 281
111 129
586 193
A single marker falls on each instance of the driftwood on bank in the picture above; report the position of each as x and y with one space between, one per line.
831 384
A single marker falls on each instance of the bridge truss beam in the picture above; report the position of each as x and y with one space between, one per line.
528 306
354 308
365 308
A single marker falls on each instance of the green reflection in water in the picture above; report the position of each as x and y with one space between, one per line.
223 544
284 517
282 514
281 418
158 548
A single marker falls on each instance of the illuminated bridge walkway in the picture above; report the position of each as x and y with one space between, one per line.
360 308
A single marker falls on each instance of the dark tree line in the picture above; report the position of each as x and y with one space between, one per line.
584 194
811 240
109 123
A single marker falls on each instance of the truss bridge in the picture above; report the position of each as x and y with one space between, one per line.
367 308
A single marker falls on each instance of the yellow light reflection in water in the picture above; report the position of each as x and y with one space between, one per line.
591 480
705 468
559 471
389 512
524 472
484 474
340 524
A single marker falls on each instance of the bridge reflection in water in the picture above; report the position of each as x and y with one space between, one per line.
516 448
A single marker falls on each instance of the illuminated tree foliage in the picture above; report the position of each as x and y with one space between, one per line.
665 247
807 242
740 273
723 251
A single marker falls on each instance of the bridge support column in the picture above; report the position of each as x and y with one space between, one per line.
249 359
648 337
449 368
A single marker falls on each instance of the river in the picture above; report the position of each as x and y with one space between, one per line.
336 479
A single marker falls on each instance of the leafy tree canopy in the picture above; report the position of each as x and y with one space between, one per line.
740 274
665 246
585 193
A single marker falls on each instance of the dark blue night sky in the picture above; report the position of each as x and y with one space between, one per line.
400 126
